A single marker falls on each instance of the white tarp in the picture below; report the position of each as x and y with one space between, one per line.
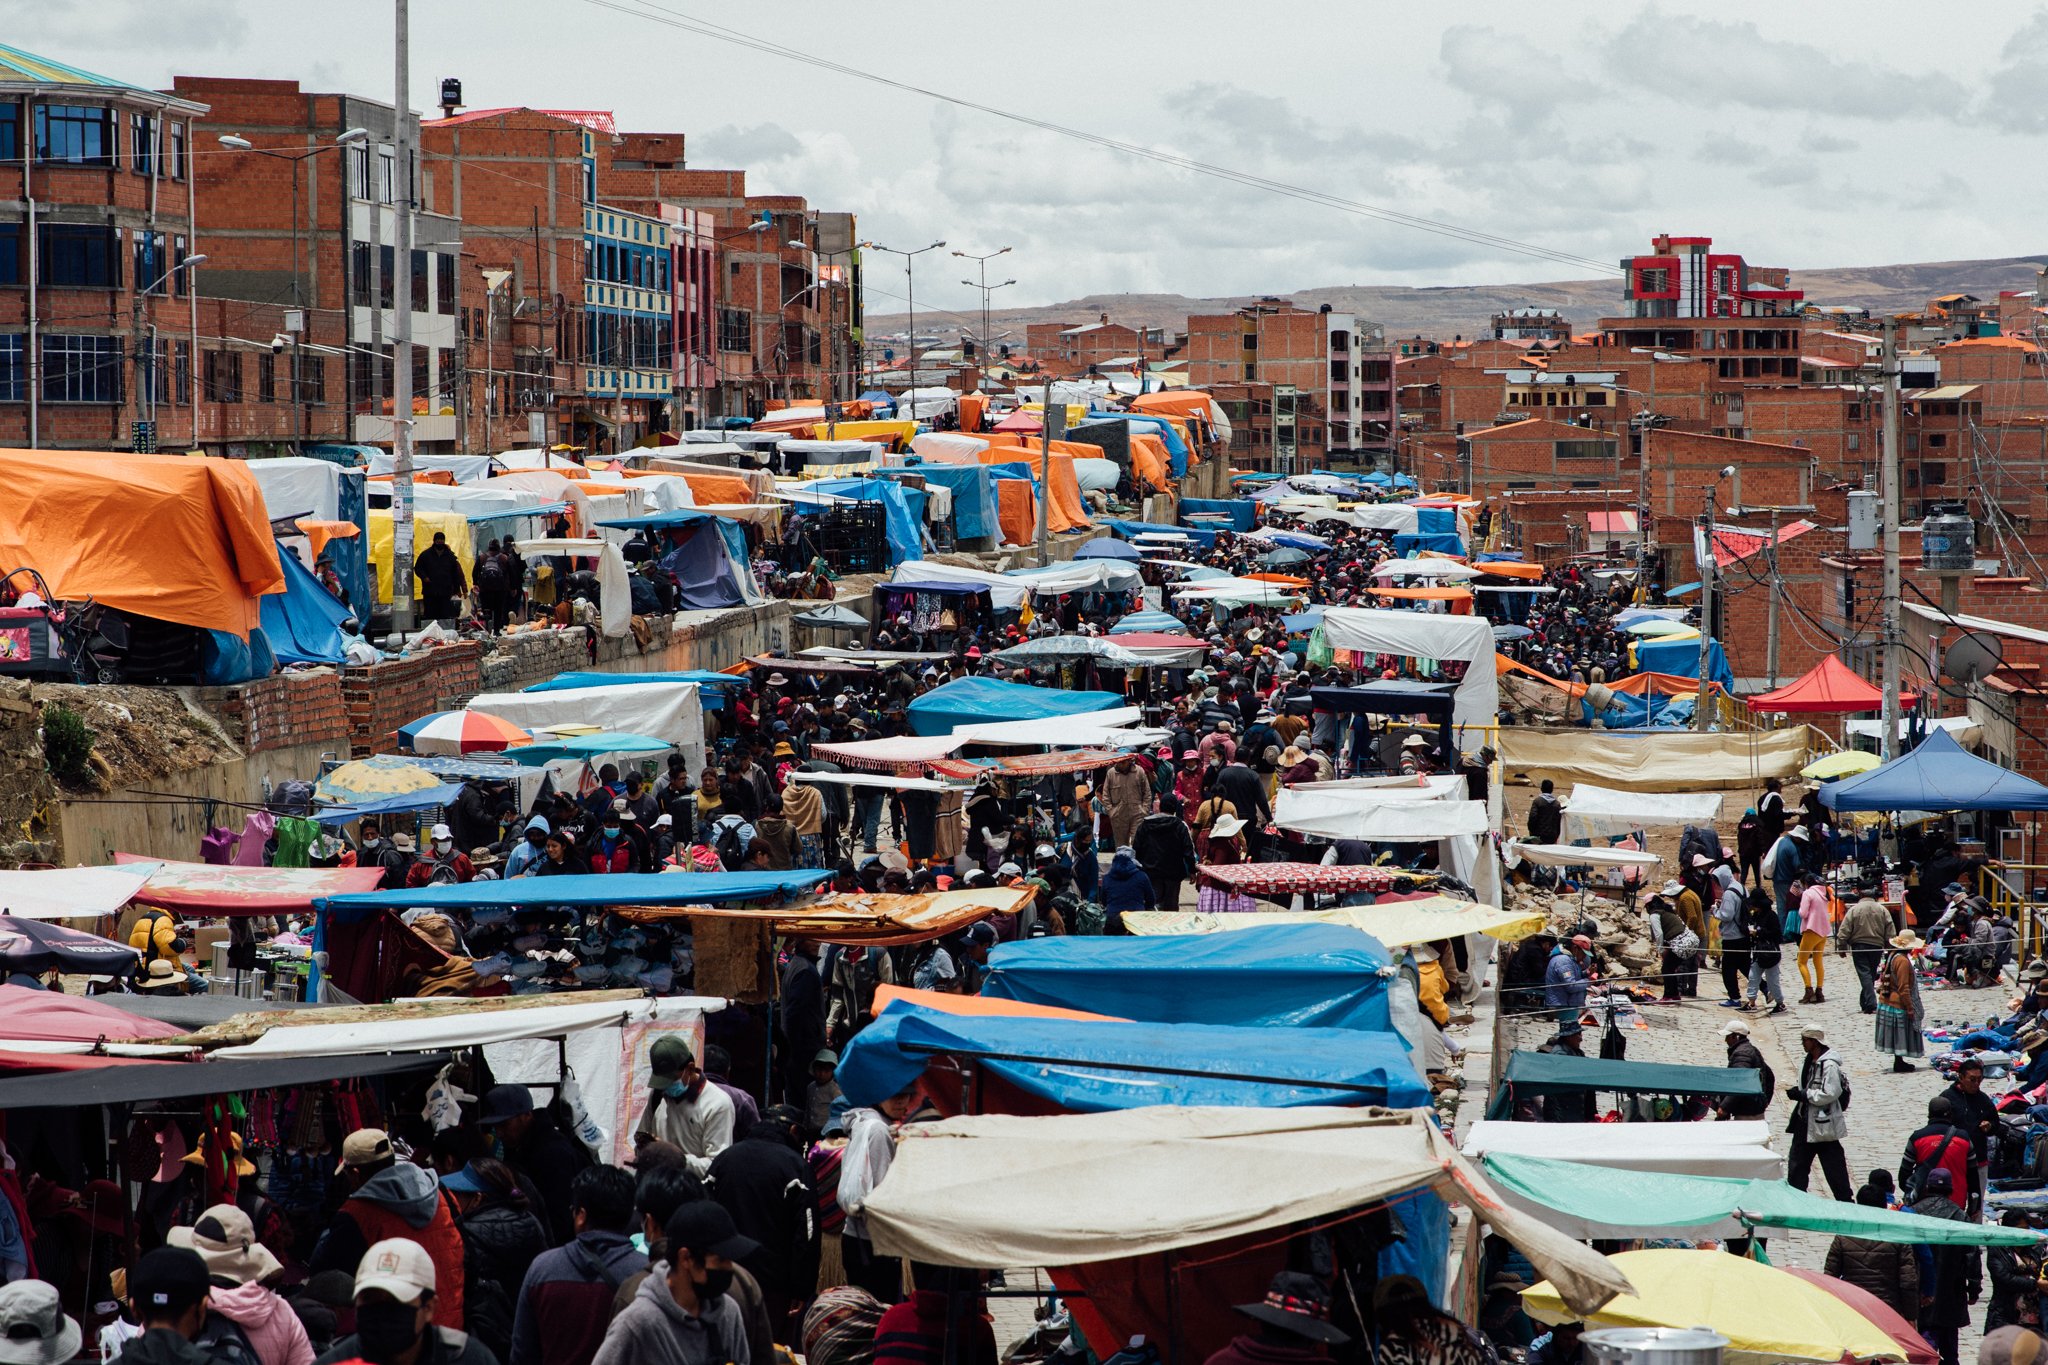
1096 476
1391 814
1737 1150
949 447
1571 855
1963 729
1008 591
464 468
71 892
298 486
466 1028
1592 812
1397 517
1422 635
665 492
1437 570
919 404
1239 591
1110 729
552 487
614 585
670 711
608 1062
889 780
492 498
1082 1188
534 458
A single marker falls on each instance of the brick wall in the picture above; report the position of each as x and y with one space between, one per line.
520 660
287 710
385 696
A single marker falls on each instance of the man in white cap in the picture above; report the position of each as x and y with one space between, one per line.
1819 1116
444 863
1743 1053
395 1314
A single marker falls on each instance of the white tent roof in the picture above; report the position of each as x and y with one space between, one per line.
1440 570
1010 590
1098 729
1570 855
614 588
1737 1150
67 892
465 1028
1593 812
1424 635
1081 1188
1394 814
665 710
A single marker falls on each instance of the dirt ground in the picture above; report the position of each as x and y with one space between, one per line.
1663 839
139 733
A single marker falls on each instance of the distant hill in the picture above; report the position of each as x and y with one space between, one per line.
1465 310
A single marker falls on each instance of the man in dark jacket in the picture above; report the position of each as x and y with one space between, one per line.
1951 1277
392 1199
565 1302
1240 786
1973 1111
1521 980
396 1310
801 1019
1546 815
1890 1270
1165 849
764 1182
1742 1052
441 581
547 1158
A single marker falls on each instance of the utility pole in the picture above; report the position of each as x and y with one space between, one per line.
1044 473
1888 489
1771 629
1709 567
401 340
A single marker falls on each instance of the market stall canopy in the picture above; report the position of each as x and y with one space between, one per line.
71 892
1592 811
55 1017
206 889
1576 855
1541 1074
1295 976
1828 688
583 890
1906 1334
1441 570
427 798
1398 924
1009 591
367 779
982 1006
1164 651
478 1023
1366 815
1318 879
1651 760
831 616
1414 634
895 754
152 1081
671 711
879 918
1108 547
1089 1067
1083 1188
461 732
1937 776
1238 592
175 538
614 583
1111 729
599 744
1737 1150
1845 763
1149 622
1055 650
1766 1314
973 701
1591 1198
36 945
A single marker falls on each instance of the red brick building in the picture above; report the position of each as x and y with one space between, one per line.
1343 364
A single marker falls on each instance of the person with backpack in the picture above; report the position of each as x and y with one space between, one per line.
1940 1143
1165 850
1744 1053
1820 1116
852 973
501 1239
1546 815
537 1149
494 582
565 1302
444 865
1898 1003
243 1309
396 862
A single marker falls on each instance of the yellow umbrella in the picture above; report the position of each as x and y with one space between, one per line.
1766 1314
1842 764
366 779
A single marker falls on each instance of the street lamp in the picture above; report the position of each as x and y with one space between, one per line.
1708 565
148 379
910 273
349 138
981 264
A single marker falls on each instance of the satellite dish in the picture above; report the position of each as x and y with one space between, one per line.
1973 657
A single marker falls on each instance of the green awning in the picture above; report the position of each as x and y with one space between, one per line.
1600 1201
1551 1073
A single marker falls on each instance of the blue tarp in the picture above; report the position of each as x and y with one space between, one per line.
1243 512
350 555
904 510
1630 712
974 498
1938 776
303 623
1406 545
1290 975
584 890
1436 521
978 701
711 687
463 766
1302 622
226 659
425 799
1149 623
1131 530
893 1051
1681 659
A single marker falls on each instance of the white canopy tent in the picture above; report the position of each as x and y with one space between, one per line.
300 486
472 1026
1436 570
1571 855
1238 592
1737 1150
1112 729
1009 591
948 447
614 586
666 710
1421 635
1082 1188
463 468
71 892
1401 811
1592 812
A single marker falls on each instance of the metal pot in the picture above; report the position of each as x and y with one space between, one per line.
1654 1346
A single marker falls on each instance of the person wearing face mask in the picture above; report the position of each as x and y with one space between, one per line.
524 860
444 862
692 1113
376 852
395 1314
565 1302
387 1199
682 1314
612 850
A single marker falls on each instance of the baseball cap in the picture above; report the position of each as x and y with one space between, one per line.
503 1102
706 1229
365 1147
166 1281
34 1329
399 1267
439 832
1580 940
1733 1027
667 1058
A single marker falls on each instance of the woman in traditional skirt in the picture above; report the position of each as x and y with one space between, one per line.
1898 1003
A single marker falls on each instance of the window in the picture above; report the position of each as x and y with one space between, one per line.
1596 398
419 282
421 382
1934 473
444 370
74 133
174 154
387 176
222 376
81 369
80 255
142 142
10 253
1936 440
181 374
1653 282
735 330
13 369
359 171
444 283
181 280
1584 450
266 378
309 378
1855 442
152 266
10 131
387 275
360 280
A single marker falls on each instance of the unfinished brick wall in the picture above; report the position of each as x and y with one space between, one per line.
385 696
287 710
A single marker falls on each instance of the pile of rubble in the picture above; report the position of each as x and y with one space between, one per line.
1624 937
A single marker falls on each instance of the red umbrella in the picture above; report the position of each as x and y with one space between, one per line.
51 1016
1886 1317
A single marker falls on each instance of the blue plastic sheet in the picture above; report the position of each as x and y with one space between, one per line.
226 659
1425 1246
904 510
424 799
587 890
978 701
1937 776
974 499
1681 659
1131 530
303 623
1291 975
1436 521
1243 512
893 1052
1630 712
350 555
1405 544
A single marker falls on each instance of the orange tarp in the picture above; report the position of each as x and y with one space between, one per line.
1637 684
440 476
1063 489
1150 462
985 1006
1459 598
1507 568
972 405
1016 510
1179 402
318 533
177 538
709 490
1278 578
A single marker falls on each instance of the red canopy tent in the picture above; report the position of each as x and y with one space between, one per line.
53 1017
1828 688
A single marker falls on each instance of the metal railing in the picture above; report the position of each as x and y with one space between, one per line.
2030 914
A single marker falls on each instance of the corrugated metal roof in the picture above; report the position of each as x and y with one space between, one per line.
1947 392
26 68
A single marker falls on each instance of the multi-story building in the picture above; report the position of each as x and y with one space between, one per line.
1324 354
1688 299
305 216
1532 325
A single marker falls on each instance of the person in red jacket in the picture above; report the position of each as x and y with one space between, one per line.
1939 1145
613 850
946 1302
390 1198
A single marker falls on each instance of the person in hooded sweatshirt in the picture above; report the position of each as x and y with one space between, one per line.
1734 947
565 1303
1125 887
682 1314
236 1265
526 857
392 1199
1165 849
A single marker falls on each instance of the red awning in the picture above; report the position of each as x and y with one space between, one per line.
1732 546
53 1017
1829 687
206 889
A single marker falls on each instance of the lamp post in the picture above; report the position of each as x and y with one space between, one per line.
350 138
910 275
147 381
1707 570
981 265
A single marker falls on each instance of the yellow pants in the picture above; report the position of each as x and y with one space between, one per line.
1812 948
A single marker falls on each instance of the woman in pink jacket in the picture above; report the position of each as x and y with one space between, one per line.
238 1264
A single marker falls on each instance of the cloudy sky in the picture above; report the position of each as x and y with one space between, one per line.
1821 134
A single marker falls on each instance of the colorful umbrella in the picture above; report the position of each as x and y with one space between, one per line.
1918 1352
33 945
1847 763
1658 625
460 732
367 779
1766 1314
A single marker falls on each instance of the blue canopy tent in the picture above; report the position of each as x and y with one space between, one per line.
707 554
427 798
1243 513
303 623
1681 658
903 510
712 688
1199 536
1938 776
885 403
1149 623
1088 1067
972 489
979 701
1284 975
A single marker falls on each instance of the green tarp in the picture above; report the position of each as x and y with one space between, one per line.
1600 1201
1549 1073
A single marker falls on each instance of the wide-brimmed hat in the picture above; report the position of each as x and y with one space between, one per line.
243 1166
2033 1039
1415 742
2034 970
1673 887
1299 1304
1799 832
1292 755
34 1329
1225 827
226 1240
402 842
1907 939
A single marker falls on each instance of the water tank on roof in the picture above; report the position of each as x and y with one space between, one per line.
1948 539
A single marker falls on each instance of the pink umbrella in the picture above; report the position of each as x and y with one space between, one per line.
460 732
1886 1317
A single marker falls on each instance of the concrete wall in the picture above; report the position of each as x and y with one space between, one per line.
91 829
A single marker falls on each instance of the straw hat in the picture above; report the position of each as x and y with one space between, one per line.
1907 940
1415 742
1292 755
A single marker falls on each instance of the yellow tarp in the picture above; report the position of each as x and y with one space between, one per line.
896 434
1394 923
451 524
1661 761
